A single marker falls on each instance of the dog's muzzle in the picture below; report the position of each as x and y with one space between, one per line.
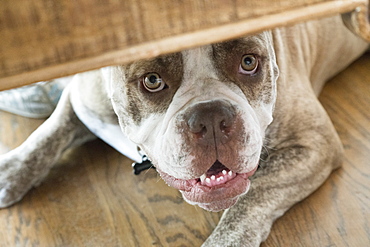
213 133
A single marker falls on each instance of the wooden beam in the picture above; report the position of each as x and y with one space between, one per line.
42 40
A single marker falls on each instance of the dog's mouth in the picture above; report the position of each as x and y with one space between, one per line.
217 189
218 174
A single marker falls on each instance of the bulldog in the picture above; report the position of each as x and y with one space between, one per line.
234 126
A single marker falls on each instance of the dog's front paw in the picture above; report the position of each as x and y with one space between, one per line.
10 195
16 179
239 229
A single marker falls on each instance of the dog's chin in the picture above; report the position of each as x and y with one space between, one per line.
218 189
217 205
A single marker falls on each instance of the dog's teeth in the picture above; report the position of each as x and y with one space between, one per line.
216 179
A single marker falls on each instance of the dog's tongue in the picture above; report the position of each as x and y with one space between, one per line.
216 175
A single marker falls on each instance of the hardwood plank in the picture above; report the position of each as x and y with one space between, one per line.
91 197
42 39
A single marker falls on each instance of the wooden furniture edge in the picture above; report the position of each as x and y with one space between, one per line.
189 40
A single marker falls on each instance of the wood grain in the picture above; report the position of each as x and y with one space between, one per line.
91 197
45 39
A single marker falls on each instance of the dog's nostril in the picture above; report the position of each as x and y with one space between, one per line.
226 126
197 127
223 126
202 132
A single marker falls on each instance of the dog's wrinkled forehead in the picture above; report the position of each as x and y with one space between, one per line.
150 85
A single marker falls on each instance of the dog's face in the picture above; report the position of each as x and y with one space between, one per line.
200 115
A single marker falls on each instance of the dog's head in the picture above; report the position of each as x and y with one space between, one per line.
201 115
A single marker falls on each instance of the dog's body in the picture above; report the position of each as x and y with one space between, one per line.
207 117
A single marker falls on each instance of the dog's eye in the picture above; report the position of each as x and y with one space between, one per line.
153 82
249 64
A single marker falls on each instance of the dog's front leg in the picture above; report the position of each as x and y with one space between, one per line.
291 173
25 166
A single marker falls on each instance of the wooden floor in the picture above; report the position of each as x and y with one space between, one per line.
91 198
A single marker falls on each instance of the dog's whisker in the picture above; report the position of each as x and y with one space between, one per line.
158 178
151 167
266 149
267 154
179 196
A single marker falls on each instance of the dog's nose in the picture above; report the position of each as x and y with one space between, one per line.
211 122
